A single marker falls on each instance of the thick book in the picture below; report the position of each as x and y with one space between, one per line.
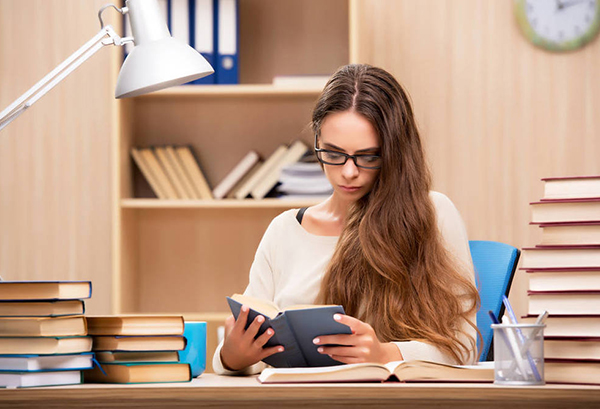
560 256
574 372
31 379
565 210
564 302
295 328
44 345
139 373
41 308
571 187
403 371
242 168
564 326
171 172
135 325
58 362
193 172
139 343
146 171
43 326
564 280
270 178
244 190
575 348
181 173
138 356
44 290
574 233
159 173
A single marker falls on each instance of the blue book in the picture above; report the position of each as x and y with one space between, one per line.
295 329
54 362
203 33
227 64
33 308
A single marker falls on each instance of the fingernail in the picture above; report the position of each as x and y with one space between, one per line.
261 318
337 317
244 308
316 340
280 349
270 331
320 349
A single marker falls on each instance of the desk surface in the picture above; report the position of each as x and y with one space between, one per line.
218 391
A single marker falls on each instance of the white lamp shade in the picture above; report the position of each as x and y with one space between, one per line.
160 64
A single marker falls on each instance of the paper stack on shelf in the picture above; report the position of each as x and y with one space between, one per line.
43 333
137 349
303 179
564 277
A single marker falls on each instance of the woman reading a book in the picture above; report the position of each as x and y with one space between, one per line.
393 253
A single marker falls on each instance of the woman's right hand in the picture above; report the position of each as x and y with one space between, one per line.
240 349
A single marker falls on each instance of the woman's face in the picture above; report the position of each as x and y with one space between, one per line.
351 133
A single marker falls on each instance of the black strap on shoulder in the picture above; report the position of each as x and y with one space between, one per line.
300 214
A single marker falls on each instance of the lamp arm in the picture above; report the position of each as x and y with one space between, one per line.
106 36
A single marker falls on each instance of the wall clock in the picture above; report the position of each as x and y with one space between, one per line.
558 25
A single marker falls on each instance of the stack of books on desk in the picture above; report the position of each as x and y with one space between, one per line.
564 277
43 333
137 349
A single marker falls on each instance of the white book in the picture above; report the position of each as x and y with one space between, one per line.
571 187
29 379
236 174
46 362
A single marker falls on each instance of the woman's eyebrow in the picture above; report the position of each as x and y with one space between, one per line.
332 146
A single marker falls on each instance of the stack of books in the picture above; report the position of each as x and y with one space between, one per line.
304 179
43 333
137 349
172 172
564 277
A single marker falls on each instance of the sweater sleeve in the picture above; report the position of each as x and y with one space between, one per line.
454 235
261 285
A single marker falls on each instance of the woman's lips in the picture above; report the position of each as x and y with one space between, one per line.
349 188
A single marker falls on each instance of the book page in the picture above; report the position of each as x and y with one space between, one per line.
263 306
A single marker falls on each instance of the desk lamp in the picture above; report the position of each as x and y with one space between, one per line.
157 60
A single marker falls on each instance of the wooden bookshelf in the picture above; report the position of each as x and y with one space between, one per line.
185 256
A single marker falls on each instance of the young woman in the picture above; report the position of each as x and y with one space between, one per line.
394 254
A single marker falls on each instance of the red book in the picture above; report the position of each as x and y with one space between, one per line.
564 256
571 187
564 302
566 210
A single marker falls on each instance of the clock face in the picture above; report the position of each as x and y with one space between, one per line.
559 25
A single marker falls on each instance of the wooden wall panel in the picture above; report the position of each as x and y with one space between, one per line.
55 172
496 113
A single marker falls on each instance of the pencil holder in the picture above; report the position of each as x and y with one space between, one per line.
518 354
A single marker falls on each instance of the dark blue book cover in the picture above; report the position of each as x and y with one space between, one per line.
295 329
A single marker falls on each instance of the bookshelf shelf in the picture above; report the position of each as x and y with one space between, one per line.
216 204
232 91
185 256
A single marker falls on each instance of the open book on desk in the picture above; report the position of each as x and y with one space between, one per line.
295 328
403 371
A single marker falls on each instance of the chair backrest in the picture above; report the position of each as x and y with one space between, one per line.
495 264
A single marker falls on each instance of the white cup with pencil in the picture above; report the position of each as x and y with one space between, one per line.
518 349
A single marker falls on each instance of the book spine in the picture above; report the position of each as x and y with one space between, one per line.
293 354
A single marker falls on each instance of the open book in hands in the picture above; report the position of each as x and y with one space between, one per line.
295 328
403 371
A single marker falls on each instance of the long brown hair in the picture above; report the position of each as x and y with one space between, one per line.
390 267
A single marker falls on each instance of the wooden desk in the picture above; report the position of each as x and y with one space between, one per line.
222 392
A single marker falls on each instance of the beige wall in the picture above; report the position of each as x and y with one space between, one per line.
55 168
497 114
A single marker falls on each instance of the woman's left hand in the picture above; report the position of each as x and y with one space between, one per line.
360 346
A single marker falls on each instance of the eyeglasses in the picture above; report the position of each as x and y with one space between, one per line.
336 158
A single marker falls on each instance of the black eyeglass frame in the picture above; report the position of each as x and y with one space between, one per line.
353 157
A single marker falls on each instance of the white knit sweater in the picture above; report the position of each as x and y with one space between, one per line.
290 262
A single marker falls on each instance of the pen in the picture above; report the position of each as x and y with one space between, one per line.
540 321
512 318
510 342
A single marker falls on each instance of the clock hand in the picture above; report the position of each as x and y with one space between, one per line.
565 4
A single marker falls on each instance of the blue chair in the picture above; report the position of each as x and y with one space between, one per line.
495 264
